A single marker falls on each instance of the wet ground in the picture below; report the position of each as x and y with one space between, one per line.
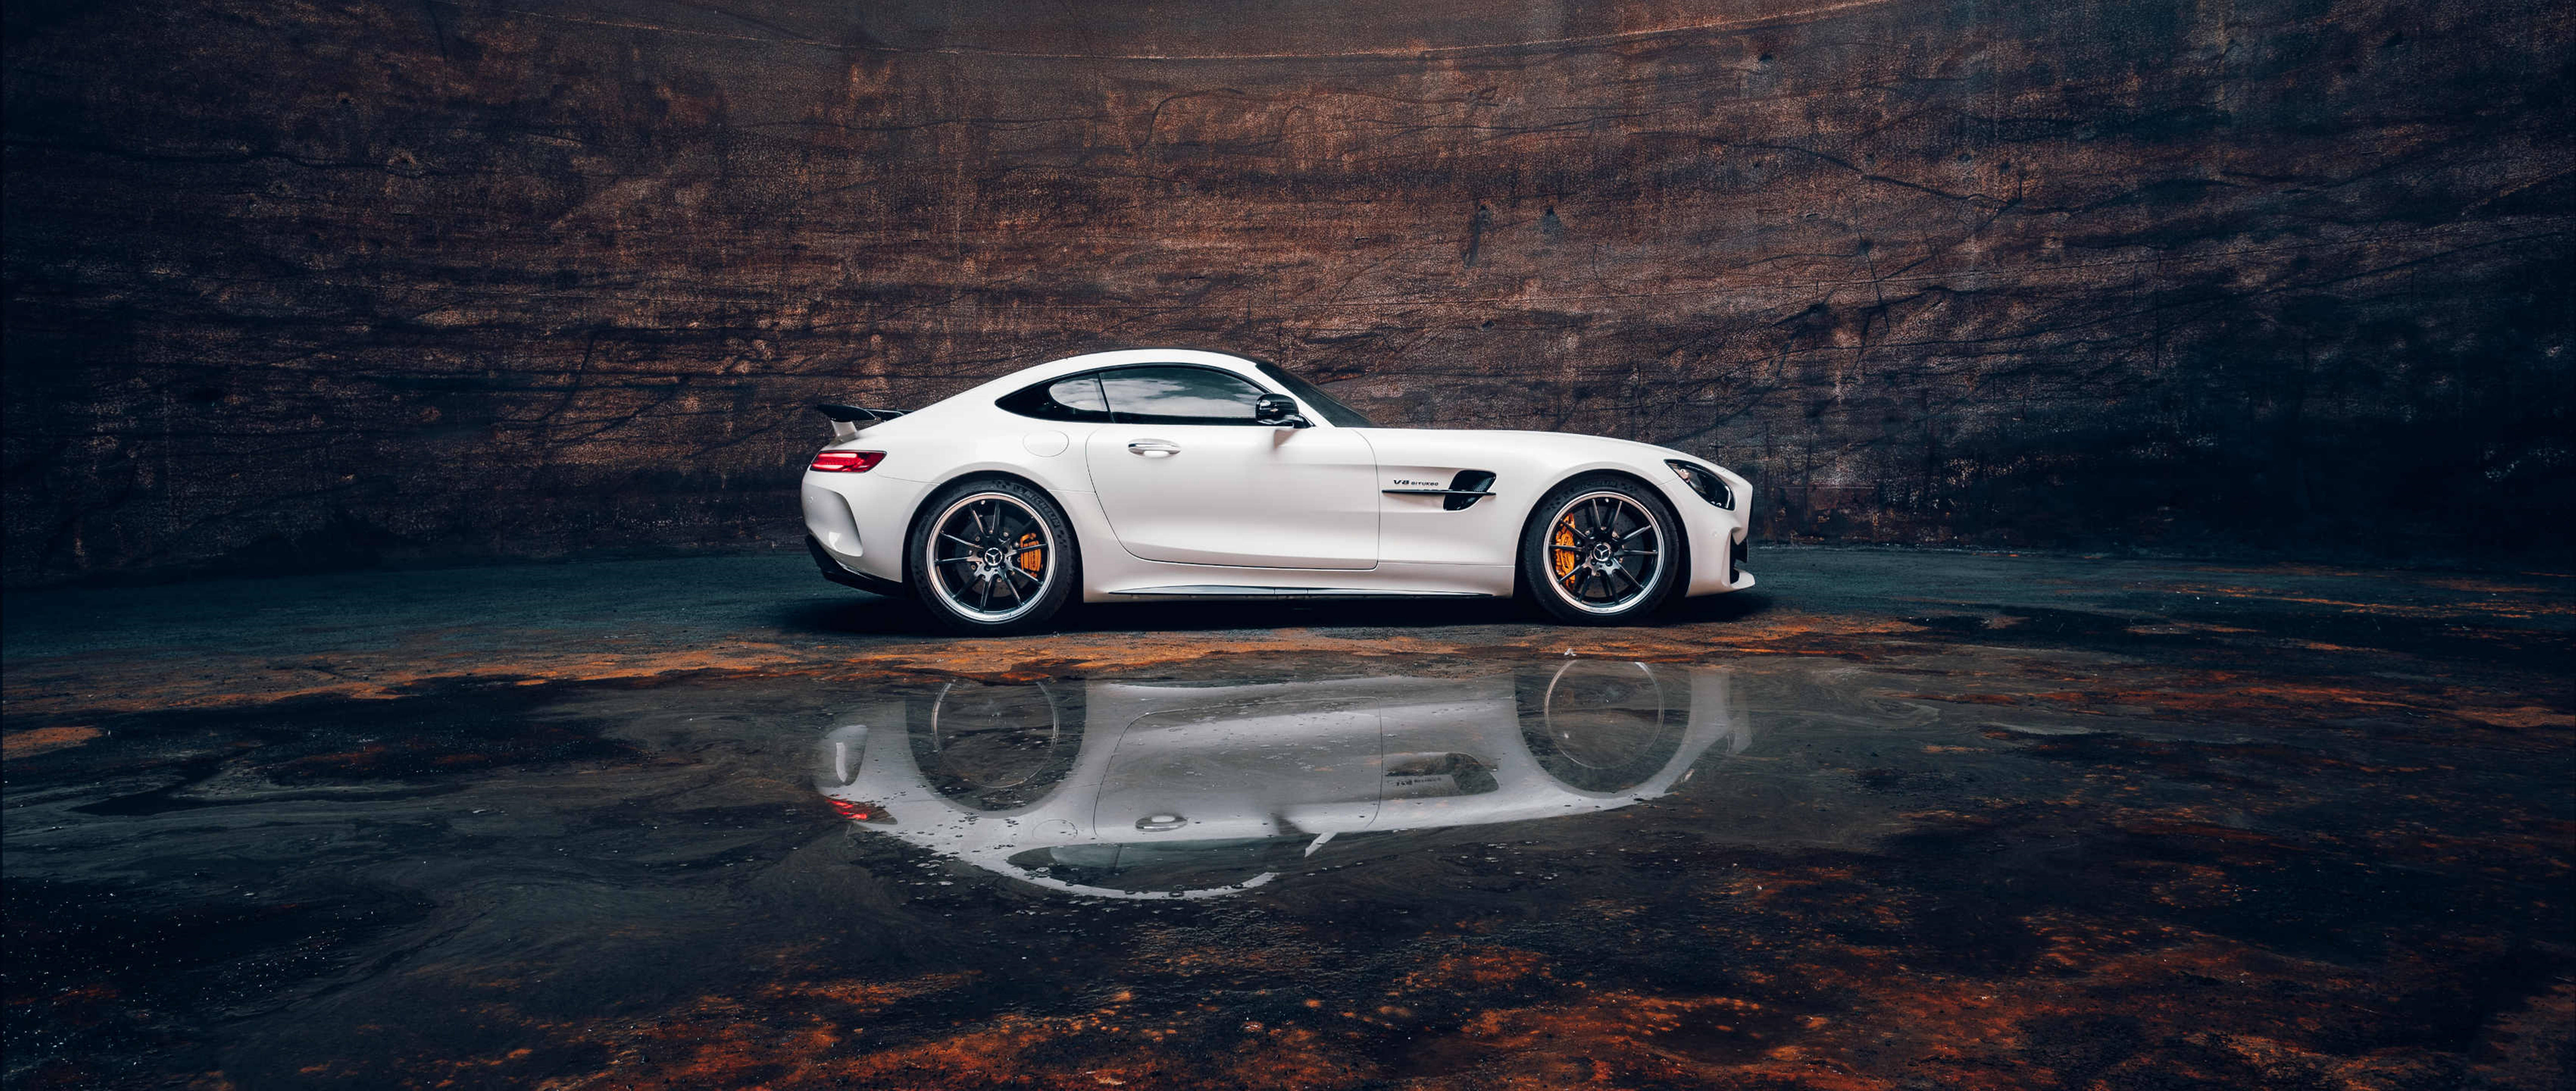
1893 820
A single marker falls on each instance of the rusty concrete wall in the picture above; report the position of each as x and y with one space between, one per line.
296 284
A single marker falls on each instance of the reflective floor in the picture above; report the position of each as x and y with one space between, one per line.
2310 829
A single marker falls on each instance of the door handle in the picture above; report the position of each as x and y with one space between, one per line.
1154 448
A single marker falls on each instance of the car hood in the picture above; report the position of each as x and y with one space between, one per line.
1570 442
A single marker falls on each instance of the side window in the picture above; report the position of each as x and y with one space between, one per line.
1073 398
1178 395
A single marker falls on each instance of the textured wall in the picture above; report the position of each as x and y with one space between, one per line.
302 283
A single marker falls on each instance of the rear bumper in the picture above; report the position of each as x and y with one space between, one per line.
861 519
836 572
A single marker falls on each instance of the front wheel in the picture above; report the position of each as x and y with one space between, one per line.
1601 551
992 558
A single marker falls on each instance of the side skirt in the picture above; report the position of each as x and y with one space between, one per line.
1235 591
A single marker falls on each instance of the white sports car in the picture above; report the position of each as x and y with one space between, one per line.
1156 474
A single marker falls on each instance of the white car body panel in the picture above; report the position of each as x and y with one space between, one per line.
1245 511
1213 494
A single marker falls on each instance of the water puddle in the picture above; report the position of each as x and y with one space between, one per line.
1335 871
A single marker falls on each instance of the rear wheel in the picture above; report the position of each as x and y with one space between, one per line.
992 557
1601 551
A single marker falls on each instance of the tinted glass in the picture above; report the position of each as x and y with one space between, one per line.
1076 398
1342 416
1179 395
1082 392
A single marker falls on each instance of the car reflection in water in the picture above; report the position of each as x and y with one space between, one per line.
1196 790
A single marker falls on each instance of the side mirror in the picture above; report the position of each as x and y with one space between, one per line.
1277 410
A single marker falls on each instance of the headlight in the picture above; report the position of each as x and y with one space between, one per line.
1705 482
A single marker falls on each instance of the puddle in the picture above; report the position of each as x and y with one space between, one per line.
1313 870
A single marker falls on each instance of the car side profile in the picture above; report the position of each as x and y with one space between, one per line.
1161 474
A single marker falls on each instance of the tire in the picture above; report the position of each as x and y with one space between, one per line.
969 559
1601 524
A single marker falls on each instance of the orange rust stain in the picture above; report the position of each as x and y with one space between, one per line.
1859 1018
130 682
2488 587
2524 716
1484 968
2528 1047
2173 692
23 744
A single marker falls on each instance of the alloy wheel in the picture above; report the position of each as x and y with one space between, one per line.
1605 550
991 557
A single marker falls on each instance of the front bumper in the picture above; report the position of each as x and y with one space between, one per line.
1715 532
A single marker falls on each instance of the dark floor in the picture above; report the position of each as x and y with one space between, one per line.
1896 819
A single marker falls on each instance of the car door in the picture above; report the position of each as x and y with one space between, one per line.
1184 474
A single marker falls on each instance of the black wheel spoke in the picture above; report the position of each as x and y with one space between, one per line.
1616 544
989 576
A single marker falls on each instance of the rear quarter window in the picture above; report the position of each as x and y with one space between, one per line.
1072 398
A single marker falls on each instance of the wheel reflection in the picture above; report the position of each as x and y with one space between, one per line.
995 748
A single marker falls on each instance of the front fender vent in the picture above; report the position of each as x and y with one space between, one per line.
1463 491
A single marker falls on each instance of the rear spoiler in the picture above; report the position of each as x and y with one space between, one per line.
845 418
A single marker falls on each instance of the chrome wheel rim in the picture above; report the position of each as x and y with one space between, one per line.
990 556
1604 550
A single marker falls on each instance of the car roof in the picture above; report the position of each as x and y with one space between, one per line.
1128 357
1075 365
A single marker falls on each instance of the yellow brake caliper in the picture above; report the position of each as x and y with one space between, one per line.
1033 560
1564 559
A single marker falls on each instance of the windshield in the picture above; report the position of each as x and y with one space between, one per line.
1342 416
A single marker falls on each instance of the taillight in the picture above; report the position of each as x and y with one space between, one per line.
862 812
847 462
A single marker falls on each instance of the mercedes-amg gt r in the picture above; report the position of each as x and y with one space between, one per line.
1159 474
